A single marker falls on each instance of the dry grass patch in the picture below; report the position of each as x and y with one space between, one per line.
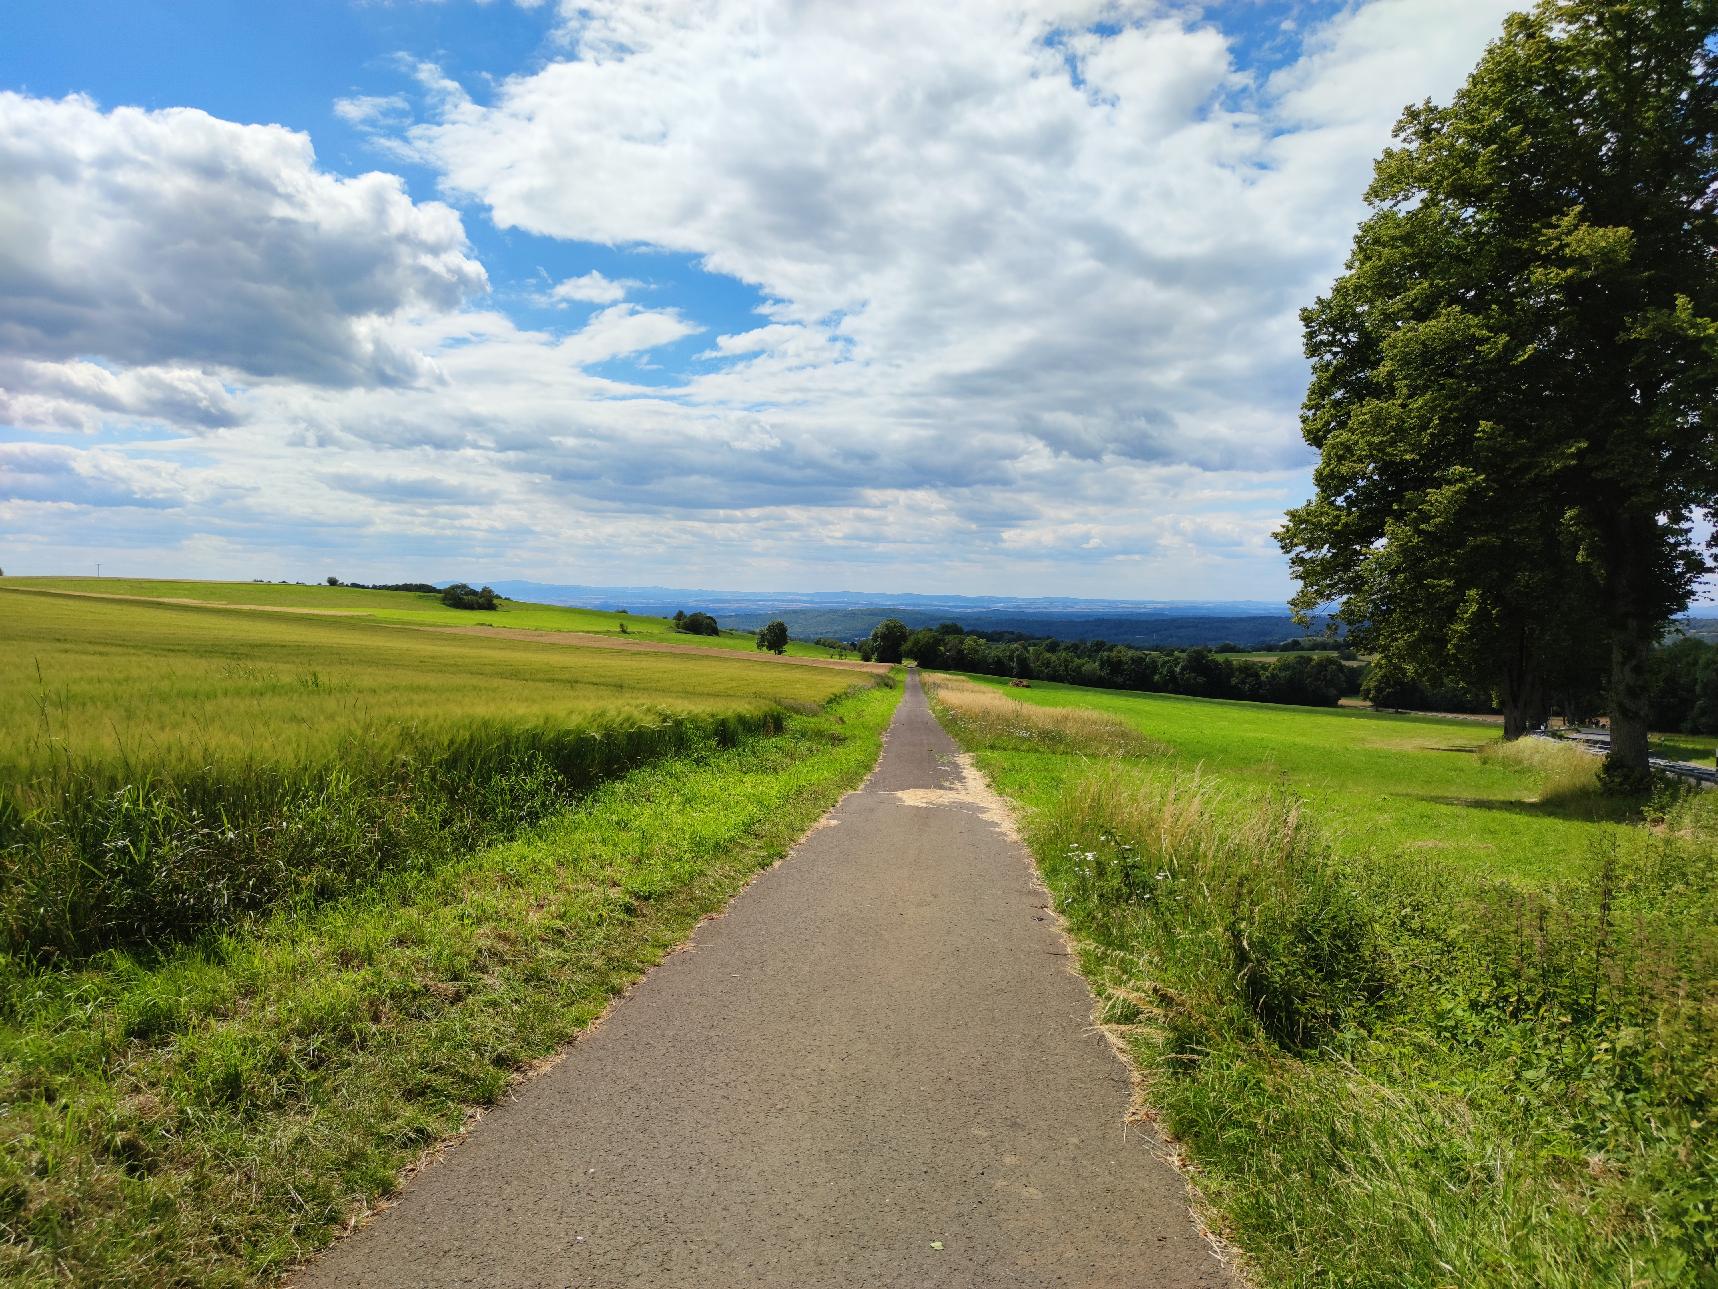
987 717
1567 774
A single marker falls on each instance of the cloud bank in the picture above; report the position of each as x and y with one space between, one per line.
1028 279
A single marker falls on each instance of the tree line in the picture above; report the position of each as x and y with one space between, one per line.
1302 679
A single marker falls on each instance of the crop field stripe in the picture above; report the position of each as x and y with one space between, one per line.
169 768
400 607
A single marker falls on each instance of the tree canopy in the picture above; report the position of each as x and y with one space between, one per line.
887 640
697 624
461 596
773 636
1514 381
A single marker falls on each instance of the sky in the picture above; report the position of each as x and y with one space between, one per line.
982 296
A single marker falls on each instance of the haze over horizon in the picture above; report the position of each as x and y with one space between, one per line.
968 299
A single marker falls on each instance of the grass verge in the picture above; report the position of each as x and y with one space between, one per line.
213 1114
1389 1069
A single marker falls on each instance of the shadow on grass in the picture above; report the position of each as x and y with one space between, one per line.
1581 807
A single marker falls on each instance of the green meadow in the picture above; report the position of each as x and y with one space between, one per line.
285 895
403 607
1419 1008
1380 782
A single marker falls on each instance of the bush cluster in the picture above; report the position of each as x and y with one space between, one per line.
417 588
696 624
460 596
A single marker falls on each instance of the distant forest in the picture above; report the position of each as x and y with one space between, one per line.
1142 631
1298 678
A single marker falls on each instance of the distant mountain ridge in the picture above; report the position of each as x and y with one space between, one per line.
847 615
635 597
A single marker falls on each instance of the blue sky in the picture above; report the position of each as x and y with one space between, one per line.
964 298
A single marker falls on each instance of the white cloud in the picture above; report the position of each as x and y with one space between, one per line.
82 395
1031 289
986 241
591 288
624 329
373 111
171 238
65 476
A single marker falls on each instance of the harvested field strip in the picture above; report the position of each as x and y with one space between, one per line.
990 716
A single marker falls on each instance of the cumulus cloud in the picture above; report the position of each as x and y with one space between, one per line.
172 238
992 218
47 472
373 111
83 395
1030 273
590 288
623 329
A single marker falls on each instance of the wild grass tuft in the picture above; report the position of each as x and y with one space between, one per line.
101 852
1568 775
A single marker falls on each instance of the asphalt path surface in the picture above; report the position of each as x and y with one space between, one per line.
876 1068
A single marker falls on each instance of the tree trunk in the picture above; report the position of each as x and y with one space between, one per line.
1514 718
1626 768
1522 697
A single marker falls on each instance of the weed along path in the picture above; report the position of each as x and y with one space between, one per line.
875 1069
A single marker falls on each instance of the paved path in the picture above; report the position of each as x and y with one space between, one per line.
878 1047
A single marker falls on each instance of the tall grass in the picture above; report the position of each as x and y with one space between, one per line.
101 851
1568 775
1398 1073
986 716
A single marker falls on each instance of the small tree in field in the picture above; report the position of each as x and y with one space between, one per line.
773 636
1515 383
888 638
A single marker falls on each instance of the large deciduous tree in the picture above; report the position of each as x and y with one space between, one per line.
1514 382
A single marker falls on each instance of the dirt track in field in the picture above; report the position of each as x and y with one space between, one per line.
875 1069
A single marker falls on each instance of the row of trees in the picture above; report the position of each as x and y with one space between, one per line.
1515 383
1298 678
1682 687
